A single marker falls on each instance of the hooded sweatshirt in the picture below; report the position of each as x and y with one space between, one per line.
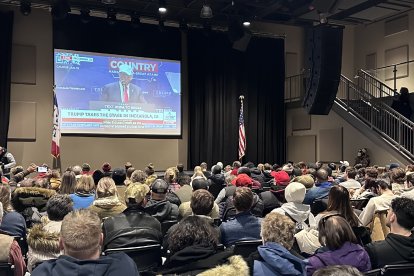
277 260
111 265
349 254
162 210
394 249
298 212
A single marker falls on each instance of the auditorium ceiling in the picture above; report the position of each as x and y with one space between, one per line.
292 12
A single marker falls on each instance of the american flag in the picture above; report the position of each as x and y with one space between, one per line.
56 128
242 133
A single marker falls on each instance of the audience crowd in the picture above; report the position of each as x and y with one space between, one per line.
239 219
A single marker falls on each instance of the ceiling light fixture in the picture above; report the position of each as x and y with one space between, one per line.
246 23
108 2
111 16
135 20
162 8
206 11
25 7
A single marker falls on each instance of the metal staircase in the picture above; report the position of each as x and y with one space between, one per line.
367 100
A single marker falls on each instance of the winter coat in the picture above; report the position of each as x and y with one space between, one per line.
216 183
317 192
277 260
107 206
162 210
244 226
395 249
349 254
270 201
132 227
299 213
112 265
43 242
205 261
257 175
227 209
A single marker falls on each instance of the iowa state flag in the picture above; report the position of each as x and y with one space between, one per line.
56 128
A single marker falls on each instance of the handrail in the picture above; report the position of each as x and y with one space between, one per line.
397 130
392 65
373 85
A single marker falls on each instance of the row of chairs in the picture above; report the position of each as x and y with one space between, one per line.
393 270
149 257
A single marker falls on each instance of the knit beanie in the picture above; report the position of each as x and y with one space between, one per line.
295 192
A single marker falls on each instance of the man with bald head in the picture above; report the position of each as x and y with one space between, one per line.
321 188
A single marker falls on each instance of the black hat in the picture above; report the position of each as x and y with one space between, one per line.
159 186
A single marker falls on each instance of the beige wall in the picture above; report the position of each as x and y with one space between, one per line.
370 39
353 139
348 46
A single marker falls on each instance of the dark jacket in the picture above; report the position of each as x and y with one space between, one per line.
349 254
112 265
133 227
270 201
244 226
274 259
216 184
257 175
162 210
193 260
267 176
395 249
227 210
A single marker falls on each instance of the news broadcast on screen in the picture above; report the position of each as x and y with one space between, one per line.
117 95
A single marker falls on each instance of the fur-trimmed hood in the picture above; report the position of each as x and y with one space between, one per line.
25 197
41 240
107 202
235 266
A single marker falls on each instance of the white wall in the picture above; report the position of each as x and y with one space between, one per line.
352 138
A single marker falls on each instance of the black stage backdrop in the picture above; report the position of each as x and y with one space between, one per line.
6 34
218 74
121 38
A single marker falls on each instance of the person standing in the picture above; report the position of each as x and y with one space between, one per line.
7 161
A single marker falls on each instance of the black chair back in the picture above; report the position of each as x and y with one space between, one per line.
319 205
359 204
24 247
245 248
398 270
6 269
166 225
146 257
374 272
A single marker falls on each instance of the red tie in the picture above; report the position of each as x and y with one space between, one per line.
126 98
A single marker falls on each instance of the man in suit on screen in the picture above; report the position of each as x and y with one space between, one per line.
123 91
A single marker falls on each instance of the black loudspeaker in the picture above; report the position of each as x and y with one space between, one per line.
323 64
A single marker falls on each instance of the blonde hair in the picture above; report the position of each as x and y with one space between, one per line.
138 176
170 176
81 232
198 172
278 228
85 184
106 187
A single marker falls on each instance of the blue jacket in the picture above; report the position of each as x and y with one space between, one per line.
82 201
319 191
244 226
112 265
277 260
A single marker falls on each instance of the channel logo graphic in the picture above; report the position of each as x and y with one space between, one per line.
69 58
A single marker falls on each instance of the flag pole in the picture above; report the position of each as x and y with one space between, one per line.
55 149
242 133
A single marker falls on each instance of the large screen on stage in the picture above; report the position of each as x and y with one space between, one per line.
117 95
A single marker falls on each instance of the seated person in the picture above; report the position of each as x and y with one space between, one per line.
107 203
13 223
299 213
193 245
321 189
43 238
244 226
158 206
341 246
183 194
216 181
202 202
398 246
185 207
81 240
350 182
84 192
10 251
378 203
132 227
274 256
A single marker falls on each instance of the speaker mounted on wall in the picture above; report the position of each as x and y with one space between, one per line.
323 63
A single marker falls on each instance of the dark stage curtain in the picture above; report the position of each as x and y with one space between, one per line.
6 34
218 74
